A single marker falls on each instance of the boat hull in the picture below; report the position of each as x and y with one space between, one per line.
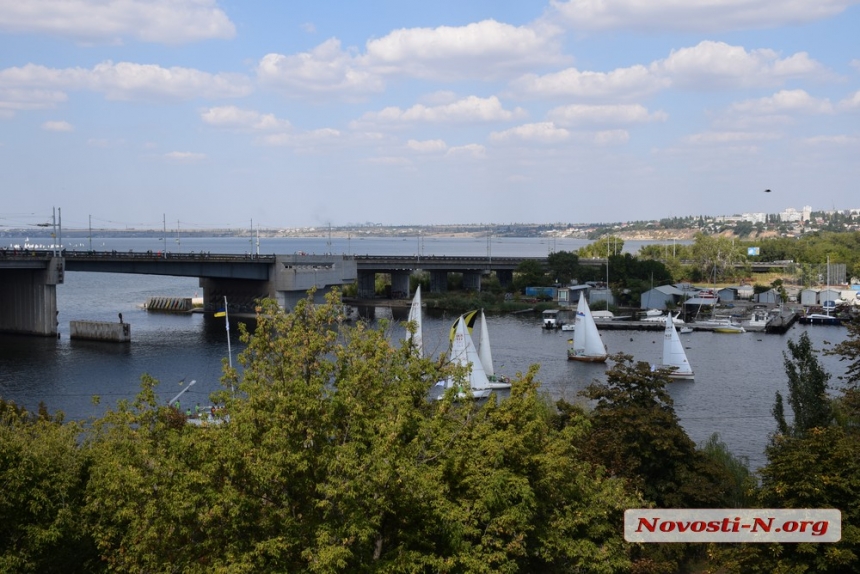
820 320
587 358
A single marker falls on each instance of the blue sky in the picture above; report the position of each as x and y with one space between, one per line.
295 114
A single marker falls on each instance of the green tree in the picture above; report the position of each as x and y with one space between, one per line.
530 273
807 390
604 246
43 474
563 266
334 460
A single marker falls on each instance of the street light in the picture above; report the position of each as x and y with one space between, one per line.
182 392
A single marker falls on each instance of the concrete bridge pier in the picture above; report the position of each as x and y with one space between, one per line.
400 283
472 280
28 296
506 277
438 281
241 294
366 284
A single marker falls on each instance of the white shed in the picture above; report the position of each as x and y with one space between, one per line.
809 297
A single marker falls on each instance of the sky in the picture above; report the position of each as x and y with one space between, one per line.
274 114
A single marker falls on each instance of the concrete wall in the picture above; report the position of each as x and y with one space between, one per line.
101 331
28 298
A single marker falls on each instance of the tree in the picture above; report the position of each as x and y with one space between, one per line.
636 435
807 391
563 266
334 460
603 247
530 273
42 478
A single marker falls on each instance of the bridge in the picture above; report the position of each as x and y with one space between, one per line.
29 278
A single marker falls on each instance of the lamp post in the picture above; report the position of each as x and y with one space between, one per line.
182 392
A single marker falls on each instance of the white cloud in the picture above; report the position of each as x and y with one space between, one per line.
717 65
839 140
729 137
159 21
611 137
29 99
796 101
486 49
624 83
57 126
851 103
324 70
427 146
544 132
128 81
580 114
467 110
471 151
237 118
307 141
185 156
685 15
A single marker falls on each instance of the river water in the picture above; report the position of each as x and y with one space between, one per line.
736 375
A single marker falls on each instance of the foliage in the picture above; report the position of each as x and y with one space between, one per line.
807 390
715 258
636 435
603 247
849 350
563 266
42 478
334 460
530 273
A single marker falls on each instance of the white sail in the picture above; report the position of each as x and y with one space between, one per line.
463 352
674 356
587 344
415 315
485 354
484 350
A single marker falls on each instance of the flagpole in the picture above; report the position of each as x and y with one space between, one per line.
229 350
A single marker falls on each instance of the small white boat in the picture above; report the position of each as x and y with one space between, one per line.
463 352
485 353
550 319
415 315
685 330
587 344
674 356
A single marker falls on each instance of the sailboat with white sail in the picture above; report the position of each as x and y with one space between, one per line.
415 315
587 344
485 353
674 356
463 352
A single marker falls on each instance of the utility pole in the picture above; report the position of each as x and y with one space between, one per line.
91 233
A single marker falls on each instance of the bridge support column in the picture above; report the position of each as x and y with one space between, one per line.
399 284
28 299
506 277
366 284
472 281
438 281
242 294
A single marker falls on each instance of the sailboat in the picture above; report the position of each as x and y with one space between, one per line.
416 338
587 344
485 353
674 356
822 318
463 352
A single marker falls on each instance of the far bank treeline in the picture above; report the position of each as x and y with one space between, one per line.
331 457
708 259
